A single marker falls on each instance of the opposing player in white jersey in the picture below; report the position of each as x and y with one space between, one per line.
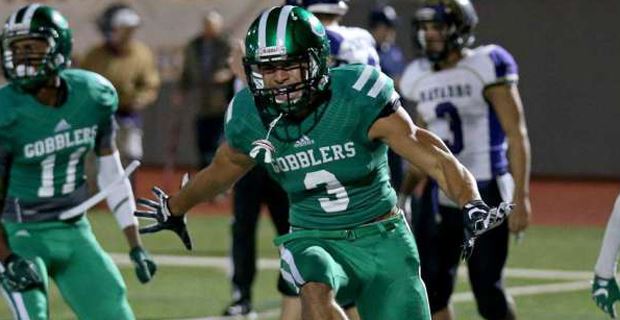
469 98
605 290
347 44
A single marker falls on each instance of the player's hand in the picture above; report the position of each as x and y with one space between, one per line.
20 274
160 212
520 217
605 293
145 266
479 218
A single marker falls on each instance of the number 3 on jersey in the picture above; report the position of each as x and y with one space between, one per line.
46 189
448 112
333 186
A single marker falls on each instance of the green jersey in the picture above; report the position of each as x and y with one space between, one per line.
47 145
334 175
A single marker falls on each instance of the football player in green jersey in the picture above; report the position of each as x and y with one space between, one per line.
323 135
50 117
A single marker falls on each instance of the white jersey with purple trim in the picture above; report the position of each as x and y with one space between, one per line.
451 103
352 45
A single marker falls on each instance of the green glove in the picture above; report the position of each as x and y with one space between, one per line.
605 293
145 266
20 274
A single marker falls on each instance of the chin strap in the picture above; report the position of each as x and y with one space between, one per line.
264 144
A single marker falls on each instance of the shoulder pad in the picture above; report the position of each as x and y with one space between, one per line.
361 80
352 45
365 91
363 85
413 72
240 120
100 90
335 40
495 64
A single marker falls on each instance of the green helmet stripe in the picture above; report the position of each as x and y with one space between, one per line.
262 28
282 23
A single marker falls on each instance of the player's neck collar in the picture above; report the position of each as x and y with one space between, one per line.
450 61
52 94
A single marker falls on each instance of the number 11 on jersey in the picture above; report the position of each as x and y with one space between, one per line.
46 189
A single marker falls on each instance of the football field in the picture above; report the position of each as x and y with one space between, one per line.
548 273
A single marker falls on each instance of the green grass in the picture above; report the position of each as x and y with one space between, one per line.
186 292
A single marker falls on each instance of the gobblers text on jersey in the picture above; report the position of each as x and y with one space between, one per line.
314 157
81 136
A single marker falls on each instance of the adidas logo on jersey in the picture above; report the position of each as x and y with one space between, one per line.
62 125
303 141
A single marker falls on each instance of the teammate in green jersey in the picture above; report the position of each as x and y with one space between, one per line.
323 135
50 117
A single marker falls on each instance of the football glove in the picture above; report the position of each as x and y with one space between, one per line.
160 212
20 274
144 266
605 293
479 218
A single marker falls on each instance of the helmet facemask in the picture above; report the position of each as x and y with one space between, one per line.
431 53
456 21
36 44
295 101
27 68
286 65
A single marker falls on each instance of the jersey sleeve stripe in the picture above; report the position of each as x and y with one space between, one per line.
509 79
361 81
378 86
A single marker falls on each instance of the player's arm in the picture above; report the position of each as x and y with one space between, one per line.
413 175
16 273
507 103
121 201
427 152
227 167
5 163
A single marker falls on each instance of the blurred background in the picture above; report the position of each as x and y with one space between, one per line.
566 51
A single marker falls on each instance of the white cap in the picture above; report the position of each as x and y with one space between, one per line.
339 8
125 17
